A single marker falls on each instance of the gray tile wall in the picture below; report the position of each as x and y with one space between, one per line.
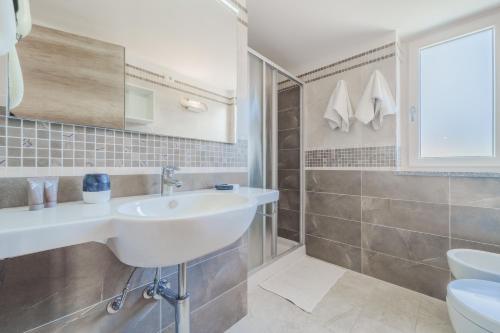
289 163
398 227
26 143
67 289
70 187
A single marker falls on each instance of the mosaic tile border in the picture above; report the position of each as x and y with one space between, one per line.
366 157
359 60
354 57
288 87
202 89
158 79
242 17
387 56
242 21
239 6
27 143
145 71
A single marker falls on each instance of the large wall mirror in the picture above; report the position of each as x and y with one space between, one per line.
155 66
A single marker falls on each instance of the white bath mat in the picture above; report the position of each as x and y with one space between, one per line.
305 283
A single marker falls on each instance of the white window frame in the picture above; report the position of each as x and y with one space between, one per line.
454 31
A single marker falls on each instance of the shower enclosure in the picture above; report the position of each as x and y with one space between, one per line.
275 159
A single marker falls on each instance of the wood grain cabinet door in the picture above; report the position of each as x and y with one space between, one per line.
72 79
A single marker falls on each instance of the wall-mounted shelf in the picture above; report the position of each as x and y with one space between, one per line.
139 105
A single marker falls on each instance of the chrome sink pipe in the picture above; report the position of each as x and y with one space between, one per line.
118 302
179 300
160 288
168 182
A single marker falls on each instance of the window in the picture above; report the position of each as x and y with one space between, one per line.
457 97
452 96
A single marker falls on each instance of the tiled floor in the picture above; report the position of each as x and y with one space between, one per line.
356 304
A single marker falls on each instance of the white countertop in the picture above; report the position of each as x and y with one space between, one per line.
24 232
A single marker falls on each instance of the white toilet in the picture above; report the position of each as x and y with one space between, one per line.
474 299
474 306
474 264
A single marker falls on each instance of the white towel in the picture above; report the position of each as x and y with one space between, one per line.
339 110
23 18
7 26
305 283
16 82
376 102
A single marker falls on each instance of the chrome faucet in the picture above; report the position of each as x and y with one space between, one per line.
168 182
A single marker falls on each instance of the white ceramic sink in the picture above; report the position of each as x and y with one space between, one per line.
144 231
474 264
170 230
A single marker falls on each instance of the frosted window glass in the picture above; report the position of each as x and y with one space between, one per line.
457 97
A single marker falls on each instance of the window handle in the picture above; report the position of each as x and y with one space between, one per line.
413 114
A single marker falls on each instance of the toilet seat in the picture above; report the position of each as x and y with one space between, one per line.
478 301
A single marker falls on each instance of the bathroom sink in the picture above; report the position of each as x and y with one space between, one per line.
143 231
164 231
474 264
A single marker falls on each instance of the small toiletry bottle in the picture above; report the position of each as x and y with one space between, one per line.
51 185
96 188
35 193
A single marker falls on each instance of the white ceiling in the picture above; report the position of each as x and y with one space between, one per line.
199 44
300 35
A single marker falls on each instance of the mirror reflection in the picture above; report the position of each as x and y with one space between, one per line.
146 66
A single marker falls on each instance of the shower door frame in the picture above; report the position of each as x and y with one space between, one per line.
274 151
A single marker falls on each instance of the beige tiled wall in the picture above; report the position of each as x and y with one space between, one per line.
398 227
356 71
362 146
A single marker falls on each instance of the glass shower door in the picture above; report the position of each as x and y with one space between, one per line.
255 162
274 160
